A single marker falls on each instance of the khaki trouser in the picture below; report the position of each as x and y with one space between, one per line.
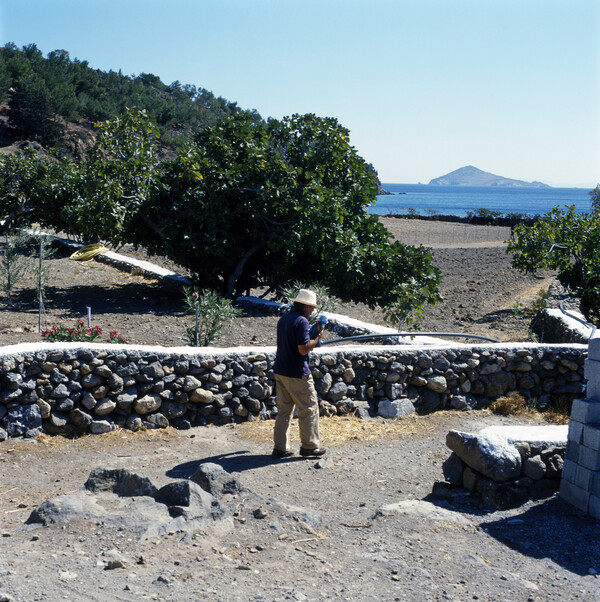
298 392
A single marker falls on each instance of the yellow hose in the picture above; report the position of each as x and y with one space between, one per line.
88 252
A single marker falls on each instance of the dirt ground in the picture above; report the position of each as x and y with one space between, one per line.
540 551
480 290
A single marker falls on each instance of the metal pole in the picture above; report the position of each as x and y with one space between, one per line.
89 317
197 322
40 299
370 337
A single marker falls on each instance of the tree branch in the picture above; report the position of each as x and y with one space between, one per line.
239 268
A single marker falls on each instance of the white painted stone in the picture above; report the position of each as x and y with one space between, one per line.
583 478
589 458
593 390
546 435
594 506
594 348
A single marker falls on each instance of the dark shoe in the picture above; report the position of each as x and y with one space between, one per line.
318 451
279 453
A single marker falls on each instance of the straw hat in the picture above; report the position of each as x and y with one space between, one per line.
306 297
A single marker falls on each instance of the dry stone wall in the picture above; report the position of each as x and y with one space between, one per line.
65 388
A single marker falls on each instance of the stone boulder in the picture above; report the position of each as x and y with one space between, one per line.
491 455
23 421
396 408
215 479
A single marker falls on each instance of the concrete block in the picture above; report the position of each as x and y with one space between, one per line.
595 487
591 370
594 506
594 348
591 436
574 495
575 432
586 411
572 452
593 390
589 458
583 478
569 471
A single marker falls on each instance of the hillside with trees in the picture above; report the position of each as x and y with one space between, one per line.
44 97
239 201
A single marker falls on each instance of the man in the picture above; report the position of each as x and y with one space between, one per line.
294 382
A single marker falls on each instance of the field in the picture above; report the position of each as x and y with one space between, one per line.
482 294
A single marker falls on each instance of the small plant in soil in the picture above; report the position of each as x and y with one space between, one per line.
14 263
212 311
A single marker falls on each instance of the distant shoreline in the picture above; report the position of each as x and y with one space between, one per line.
475 220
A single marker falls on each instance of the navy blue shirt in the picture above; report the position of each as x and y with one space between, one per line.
292 330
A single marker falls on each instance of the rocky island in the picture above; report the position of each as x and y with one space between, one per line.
472 176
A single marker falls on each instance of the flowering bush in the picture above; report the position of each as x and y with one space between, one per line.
115 337
212 311
81 332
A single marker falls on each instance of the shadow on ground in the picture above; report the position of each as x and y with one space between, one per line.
553 530
238 461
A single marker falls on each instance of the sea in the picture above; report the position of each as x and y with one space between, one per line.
424 199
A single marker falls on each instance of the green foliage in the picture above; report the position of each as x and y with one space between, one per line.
43 88
249 205
81 332
482 212
566 241
35 189
326 302
595 198
31 113
518 311
14 263
246 205
41 273
212 313
541 300
116 180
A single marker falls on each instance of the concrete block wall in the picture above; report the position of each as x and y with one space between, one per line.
580 484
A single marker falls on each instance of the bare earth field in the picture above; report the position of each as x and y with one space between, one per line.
479 287
418 549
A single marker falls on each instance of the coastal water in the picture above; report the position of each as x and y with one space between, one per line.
458 200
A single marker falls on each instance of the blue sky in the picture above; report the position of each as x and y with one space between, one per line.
425 87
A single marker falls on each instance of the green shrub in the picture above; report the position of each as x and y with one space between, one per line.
212 312
325 300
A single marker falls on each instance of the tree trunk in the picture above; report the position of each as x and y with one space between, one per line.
239 268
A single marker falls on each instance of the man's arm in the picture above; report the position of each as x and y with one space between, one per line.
312 343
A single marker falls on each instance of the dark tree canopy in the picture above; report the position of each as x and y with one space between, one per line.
244 204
